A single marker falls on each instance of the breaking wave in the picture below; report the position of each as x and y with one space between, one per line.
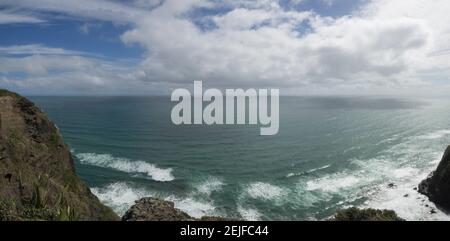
261 190
121 196
126 165
435 135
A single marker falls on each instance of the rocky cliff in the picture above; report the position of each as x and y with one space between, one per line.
437 186
37 173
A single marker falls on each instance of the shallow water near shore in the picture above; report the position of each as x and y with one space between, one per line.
330 153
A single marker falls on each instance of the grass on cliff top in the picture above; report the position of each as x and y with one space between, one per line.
4 92
37 208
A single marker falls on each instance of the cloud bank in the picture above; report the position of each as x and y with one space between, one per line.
384 44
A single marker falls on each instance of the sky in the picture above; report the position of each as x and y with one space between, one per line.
150 47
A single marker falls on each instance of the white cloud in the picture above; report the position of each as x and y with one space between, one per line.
36 49
433 15
92 9
40 65
259 43
12 18
47 70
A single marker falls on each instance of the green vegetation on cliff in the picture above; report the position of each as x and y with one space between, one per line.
37 172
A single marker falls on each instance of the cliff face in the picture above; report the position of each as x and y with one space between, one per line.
37 173
437 185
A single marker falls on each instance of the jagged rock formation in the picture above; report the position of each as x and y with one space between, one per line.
355 214
37 173
153 209
437 186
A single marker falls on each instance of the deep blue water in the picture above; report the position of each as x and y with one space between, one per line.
330 153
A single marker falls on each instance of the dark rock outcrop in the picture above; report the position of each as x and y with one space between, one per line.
355 214
153 209
37 173
437 186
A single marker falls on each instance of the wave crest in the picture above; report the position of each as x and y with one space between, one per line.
126 165
121 196
435 135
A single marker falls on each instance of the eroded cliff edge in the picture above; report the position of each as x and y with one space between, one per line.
437 186
37 172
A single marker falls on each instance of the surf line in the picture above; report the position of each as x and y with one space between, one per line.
213 114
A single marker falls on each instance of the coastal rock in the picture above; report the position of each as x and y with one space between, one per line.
37 172
437 186
355 214
154 209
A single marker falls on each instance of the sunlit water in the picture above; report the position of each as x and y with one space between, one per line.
330 153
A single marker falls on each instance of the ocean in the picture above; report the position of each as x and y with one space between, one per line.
330 153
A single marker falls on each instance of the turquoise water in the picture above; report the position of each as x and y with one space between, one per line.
330 153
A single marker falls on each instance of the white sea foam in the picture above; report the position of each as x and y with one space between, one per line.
305 197
291 174
435 135
353 148
318 169
332 183
209 185
261 190
406 201
249 214
405 172
368 180
406 165
127 165
308 172
411 164
121 196
193 207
